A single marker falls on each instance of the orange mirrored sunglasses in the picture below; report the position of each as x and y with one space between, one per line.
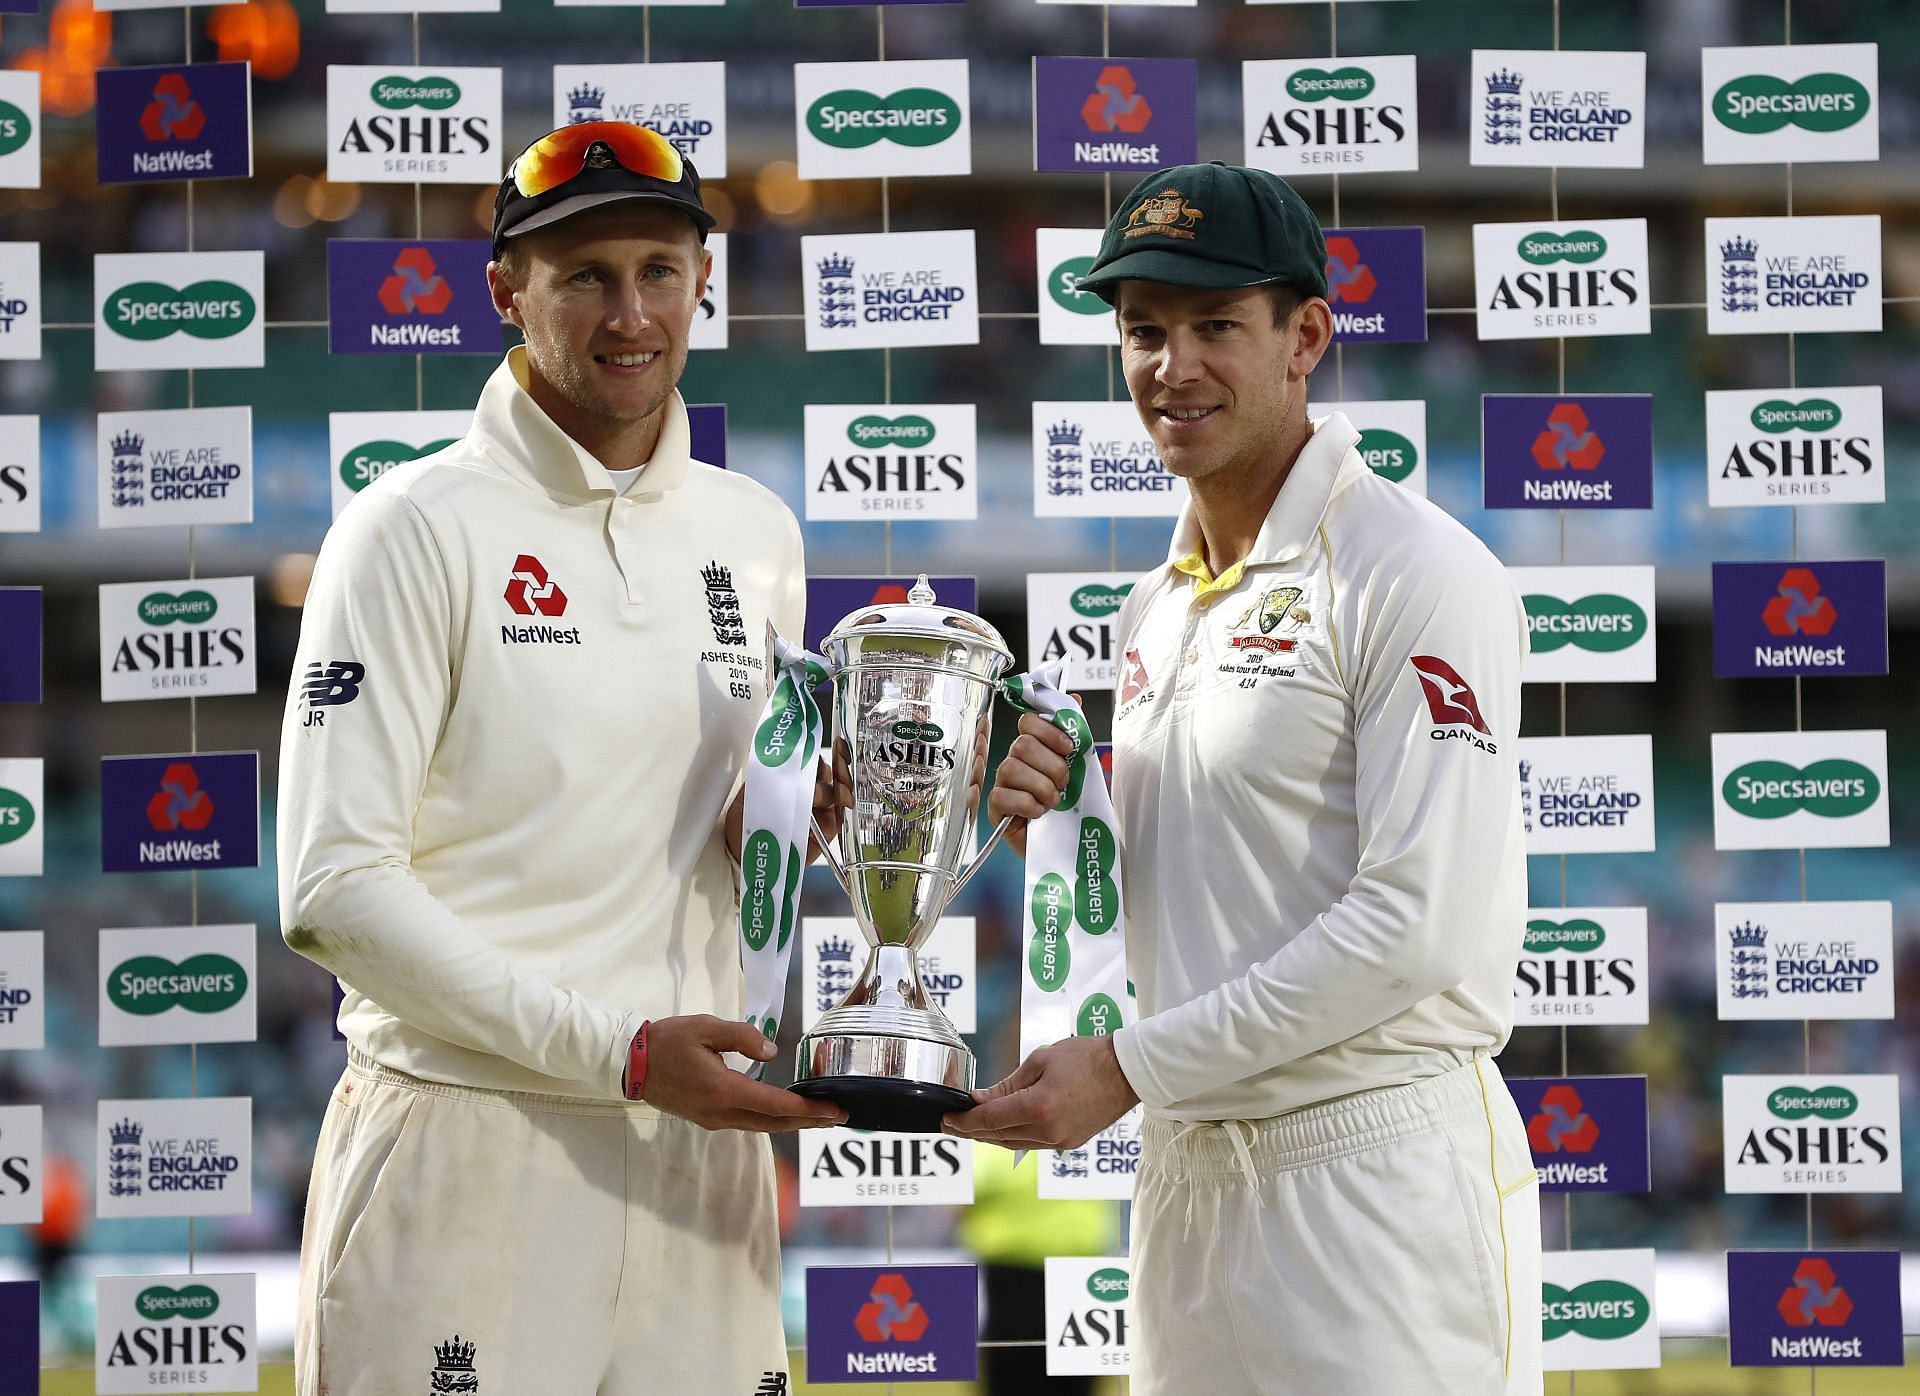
557 157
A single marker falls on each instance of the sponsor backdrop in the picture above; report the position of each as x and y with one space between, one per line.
1538 273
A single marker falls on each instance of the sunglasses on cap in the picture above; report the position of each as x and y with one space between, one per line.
561 155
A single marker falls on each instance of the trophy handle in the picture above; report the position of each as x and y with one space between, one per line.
980 858
833 863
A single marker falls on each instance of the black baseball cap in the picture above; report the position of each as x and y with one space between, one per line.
1215 226
576 168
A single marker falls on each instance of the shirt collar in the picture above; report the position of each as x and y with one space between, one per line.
508 415
1325 462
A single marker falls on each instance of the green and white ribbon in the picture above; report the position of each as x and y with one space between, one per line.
1075 983
778 812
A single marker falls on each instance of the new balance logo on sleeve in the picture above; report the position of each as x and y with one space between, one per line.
329 684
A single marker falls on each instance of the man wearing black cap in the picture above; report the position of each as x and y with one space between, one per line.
527 676
1314 778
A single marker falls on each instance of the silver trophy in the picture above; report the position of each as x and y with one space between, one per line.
913 688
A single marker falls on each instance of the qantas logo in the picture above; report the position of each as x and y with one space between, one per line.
1450 702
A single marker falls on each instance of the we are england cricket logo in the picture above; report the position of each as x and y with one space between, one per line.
1803 103
1095 459
1587 794
19 300
912 460
1314 116
395 126
867 120
1559 107
178 310
685 102
1788 275
181 466
1794 446
175 1158
890 290
1804 959
1539 280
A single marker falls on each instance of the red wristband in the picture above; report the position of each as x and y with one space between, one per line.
637 1065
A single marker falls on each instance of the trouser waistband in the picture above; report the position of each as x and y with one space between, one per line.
1350 1125
367 1069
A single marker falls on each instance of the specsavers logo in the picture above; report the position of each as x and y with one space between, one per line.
1063 284
160 1303
1832 789
149 310
1317 84
148 984
367 462
428 93
16 128
1761 103
852 119
1578 936
1388 454
1580 246
1601 1309
16 815
1820 1102
1603 624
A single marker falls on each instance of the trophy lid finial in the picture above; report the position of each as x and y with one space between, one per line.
922 593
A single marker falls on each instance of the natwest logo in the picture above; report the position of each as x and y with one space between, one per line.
1815 1296
1114 113
415 285
179 803
1562 1124
172 114
1349 279
1799 609
1114 105
1569 440
531 592
892 1314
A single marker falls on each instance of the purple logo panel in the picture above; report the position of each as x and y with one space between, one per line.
20 632
1814 1309
1776 618
892 1323
1130 114
1542 451
408 296
707 432
20 1334
1377 285
178 121
832 599
181 813
1588 1133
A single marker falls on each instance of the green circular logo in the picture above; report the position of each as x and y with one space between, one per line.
16 815
1048 957
1580 246
852 119
1832 789
1111 1285
1601 624
430 93
1821 1102
760 888
1388 453
1761 103
1096 901
150 310
1579 936
1097 600
159 1303
366 463
16 128
877 433
1099 1016
1317 84
189 608
1776 415
1600 1309
1063 284
148 984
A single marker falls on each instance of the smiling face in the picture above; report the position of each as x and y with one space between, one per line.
606 300
1220 386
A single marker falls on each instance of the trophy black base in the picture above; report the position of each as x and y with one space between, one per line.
887 1103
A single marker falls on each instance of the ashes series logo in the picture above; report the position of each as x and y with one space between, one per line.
175 1331
1538 281
874 290
1793 275
1088 1312
1302 117
1560 108
1584 964
907 459
1804 959
1073 614
1811 1134
172 639
21 1191
397 127
1788 446
1803 103
20 474
685 102
191 121
176 1158
1114 113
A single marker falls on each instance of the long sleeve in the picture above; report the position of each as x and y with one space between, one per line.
1435 800
374 679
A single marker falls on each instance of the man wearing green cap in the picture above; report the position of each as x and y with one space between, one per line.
1314 778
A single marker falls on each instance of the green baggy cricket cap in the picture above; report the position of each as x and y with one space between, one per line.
1215 226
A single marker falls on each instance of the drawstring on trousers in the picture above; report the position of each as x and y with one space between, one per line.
1242 1150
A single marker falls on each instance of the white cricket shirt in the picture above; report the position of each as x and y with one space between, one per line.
1319 810
504 834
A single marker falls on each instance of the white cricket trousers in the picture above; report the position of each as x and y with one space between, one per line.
581 1247
1384 1244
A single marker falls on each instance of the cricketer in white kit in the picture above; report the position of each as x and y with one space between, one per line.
1315 784
529 669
